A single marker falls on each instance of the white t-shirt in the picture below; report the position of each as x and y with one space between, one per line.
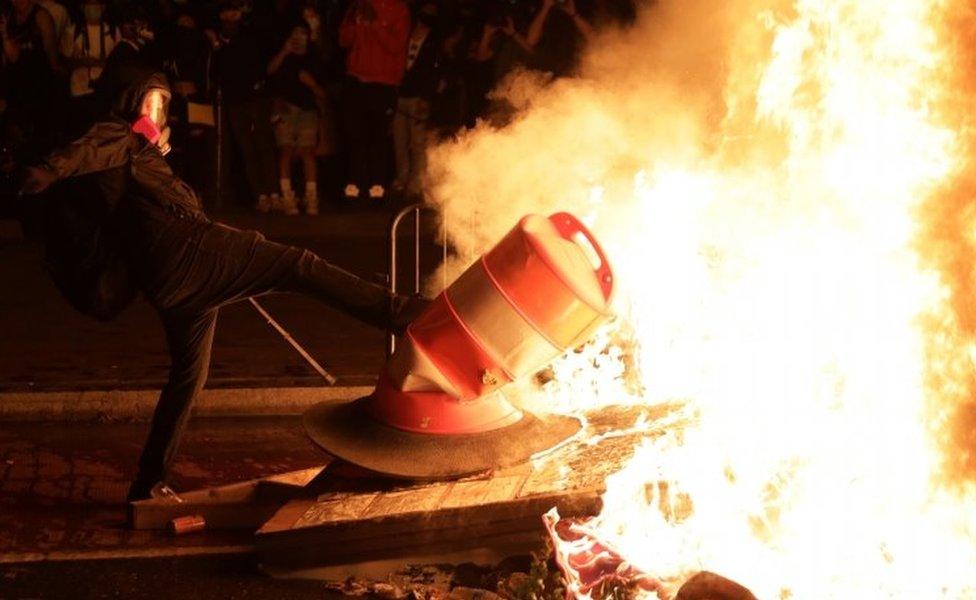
94 41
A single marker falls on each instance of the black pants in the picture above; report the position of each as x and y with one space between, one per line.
192 269
249 123
369 109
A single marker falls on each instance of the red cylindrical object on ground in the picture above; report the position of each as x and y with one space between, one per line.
188 524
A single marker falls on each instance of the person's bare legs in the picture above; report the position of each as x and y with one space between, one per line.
310 166
286 154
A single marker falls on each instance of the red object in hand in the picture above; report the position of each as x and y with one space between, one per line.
147 128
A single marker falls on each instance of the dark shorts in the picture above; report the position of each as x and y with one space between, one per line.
296 127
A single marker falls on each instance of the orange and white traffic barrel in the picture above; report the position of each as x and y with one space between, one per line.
543 289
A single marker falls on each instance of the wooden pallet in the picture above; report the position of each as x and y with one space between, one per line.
358 521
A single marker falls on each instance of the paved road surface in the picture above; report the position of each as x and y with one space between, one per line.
63 485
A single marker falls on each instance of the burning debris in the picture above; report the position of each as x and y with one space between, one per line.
590 566
759 194
594 570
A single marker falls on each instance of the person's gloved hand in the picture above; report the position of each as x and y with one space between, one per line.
37 179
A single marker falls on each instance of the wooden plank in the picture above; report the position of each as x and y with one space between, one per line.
347 509
419 500
474 493
419 533
410 523
244 505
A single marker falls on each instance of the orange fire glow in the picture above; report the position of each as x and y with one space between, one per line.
778 185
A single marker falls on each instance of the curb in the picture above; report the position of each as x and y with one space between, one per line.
14 558
139 404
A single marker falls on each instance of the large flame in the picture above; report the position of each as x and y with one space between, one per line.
778 184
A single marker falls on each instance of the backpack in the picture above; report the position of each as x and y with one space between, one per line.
83 251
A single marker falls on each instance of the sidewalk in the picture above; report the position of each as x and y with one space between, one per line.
62 511
46 346
63 485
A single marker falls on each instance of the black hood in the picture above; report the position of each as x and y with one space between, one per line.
127 101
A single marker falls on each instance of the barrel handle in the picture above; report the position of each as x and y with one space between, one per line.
568 226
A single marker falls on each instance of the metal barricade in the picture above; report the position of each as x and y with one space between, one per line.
416 209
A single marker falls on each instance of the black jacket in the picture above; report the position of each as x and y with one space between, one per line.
111 145
111 182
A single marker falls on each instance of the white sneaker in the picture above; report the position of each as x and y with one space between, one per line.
265 204
289 205
274 202
352 191
377 192
311 205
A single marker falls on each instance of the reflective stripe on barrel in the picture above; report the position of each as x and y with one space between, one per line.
543 299
518 346
455 351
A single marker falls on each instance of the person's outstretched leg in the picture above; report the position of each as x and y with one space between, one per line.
229 264
307 273
190 339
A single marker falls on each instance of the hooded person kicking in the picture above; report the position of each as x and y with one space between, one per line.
125 222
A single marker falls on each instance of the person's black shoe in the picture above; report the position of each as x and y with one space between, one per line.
156 491
141 489
405 309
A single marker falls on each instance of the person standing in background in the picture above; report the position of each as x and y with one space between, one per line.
375 34
33 63
296 74
450 108
238 68
63 28
189 54
413 105
93 41
323 43
556 38
132 52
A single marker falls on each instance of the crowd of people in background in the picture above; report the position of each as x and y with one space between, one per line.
290 101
